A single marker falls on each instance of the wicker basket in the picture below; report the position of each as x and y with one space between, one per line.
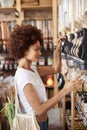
7 3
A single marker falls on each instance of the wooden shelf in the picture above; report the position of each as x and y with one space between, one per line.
7 9
36 7
7 73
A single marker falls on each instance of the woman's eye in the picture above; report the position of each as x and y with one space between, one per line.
37 49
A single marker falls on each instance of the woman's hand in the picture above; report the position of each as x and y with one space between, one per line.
58 44
73 85
57 56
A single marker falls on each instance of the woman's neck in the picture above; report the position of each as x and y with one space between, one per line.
23 63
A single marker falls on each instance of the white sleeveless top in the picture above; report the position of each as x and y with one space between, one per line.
24 77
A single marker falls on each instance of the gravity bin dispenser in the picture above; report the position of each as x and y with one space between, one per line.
74 48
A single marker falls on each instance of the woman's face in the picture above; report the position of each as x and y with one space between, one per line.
34 52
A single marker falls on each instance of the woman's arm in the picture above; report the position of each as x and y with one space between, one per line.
42 107
56 67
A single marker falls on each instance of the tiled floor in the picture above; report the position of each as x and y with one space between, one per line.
54 119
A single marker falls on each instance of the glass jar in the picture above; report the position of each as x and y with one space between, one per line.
7 3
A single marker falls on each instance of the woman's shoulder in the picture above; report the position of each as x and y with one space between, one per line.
23 75
22 72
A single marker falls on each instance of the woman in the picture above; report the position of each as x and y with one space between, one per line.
24 44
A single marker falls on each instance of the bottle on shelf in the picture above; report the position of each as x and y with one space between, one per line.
50 52
41 61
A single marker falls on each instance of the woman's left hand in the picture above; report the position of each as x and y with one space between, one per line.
58 45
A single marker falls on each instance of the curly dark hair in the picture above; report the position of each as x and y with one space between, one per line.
21 38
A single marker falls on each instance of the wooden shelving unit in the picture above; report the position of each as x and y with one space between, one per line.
71 124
